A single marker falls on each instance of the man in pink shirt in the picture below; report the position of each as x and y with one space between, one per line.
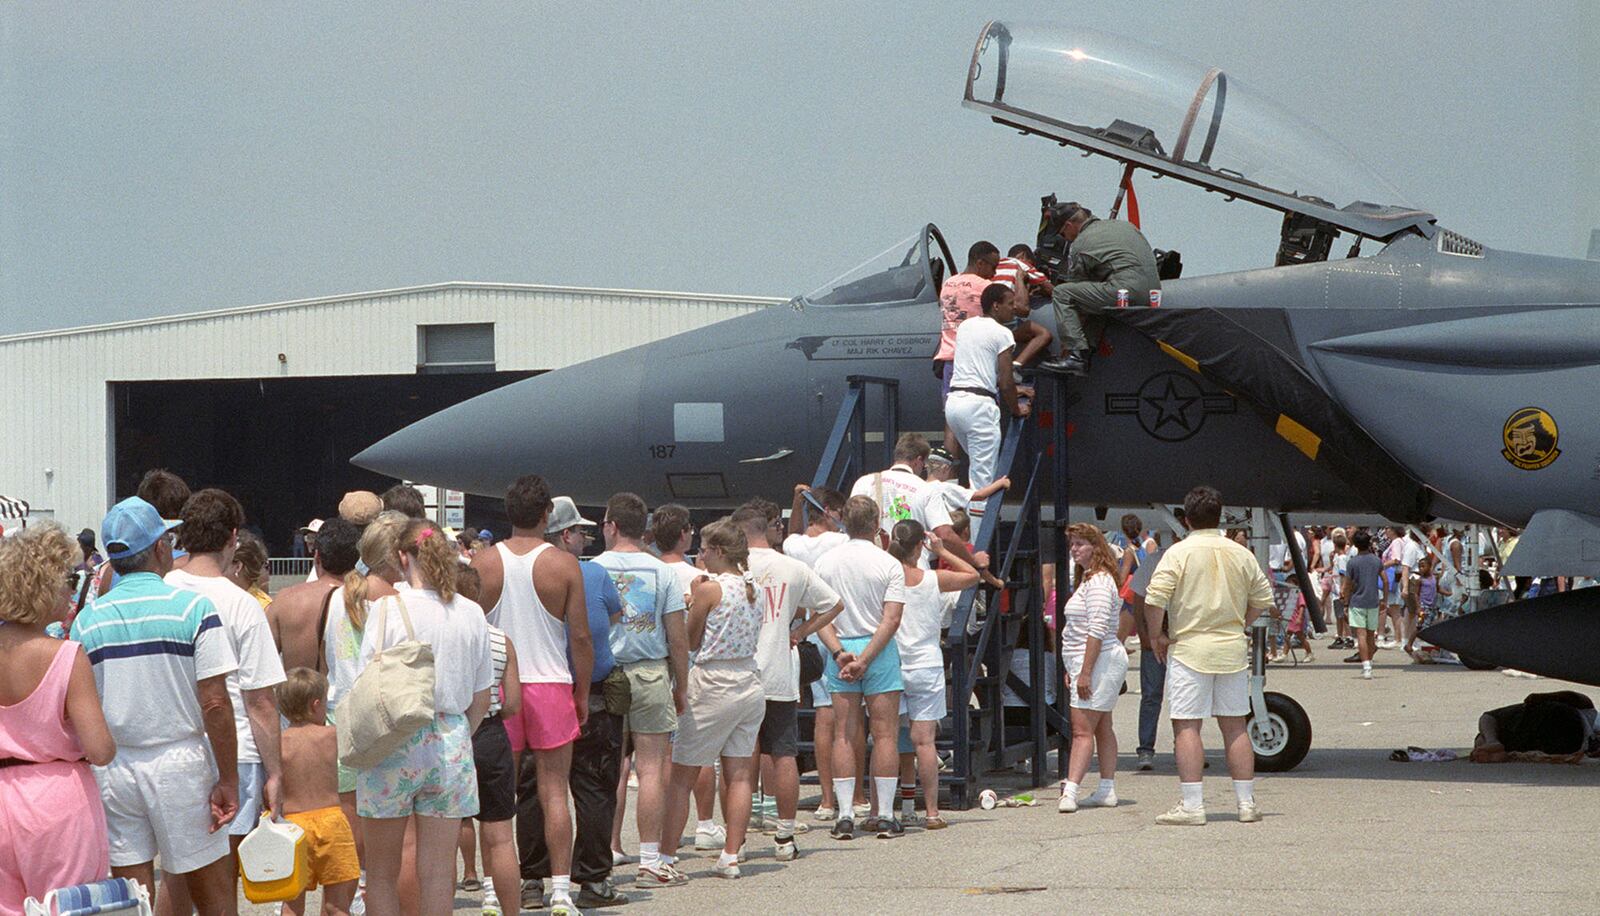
959 299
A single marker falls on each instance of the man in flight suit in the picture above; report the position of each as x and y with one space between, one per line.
1107 255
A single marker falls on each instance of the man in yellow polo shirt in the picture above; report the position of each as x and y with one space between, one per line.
1210 589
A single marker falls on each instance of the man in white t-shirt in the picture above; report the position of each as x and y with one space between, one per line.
864 662
211 523
983 367
1405 554
942 476
901 493
822 529
788 592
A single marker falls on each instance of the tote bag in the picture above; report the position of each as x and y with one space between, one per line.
391 698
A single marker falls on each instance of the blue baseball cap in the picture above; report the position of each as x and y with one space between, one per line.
131 527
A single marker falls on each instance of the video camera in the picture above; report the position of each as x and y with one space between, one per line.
1051 248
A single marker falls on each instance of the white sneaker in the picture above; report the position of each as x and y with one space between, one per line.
825 814
726 871
1068 802
619 858
563 906
861 811
1366 674
786 850
1249 812
1100 800
713 837
1180 816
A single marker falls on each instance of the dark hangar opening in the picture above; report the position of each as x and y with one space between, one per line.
282 445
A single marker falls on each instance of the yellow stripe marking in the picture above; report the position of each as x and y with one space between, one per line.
1179 355
1301 438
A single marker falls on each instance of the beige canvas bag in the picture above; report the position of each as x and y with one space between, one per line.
391 698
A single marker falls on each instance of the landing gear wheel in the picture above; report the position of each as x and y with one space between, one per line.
1283 740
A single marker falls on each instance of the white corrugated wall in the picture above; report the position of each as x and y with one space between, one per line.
55 435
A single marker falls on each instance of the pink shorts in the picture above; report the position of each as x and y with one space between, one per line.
547 718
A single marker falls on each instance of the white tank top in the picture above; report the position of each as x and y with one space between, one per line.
539 638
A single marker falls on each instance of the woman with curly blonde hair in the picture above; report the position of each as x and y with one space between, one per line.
51 727
1096 665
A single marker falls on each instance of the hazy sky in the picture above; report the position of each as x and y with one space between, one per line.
164 158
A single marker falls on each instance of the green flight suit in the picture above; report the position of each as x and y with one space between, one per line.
1107 255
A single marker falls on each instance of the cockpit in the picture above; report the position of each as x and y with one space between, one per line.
1153 110
912 268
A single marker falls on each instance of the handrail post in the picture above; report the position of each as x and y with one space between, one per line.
1059 436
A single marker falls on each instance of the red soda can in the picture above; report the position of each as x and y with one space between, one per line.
1122 298
1155 298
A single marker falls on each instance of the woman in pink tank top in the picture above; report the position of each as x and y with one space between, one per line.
52 827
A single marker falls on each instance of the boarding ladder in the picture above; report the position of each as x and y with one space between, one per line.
979 646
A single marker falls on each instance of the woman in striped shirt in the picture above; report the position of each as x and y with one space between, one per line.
1096 665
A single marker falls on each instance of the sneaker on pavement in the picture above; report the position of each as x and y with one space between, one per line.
491 907
890 829
598 894
1354 657
1068 802
862 810
563 906
1249 812
843 829
533 895
621 858
662 875
726 871
1100 800
713 837
1147 760
1180 816
1366 674
824 814
785 849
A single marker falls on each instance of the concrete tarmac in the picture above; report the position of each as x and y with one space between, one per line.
1347 830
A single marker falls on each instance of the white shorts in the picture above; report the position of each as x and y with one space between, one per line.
1110 672
158 802
252 798
923 695
1192 695
820 696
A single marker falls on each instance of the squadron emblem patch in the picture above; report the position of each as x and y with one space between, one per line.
1530 437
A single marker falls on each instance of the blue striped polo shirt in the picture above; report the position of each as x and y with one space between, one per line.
148 643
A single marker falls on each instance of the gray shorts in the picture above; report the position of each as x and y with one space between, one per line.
780 729
726 706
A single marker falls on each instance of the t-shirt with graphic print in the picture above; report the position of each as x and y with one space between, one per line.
650 590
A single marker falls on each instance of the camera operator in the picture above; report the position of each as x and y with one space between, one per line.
1105 255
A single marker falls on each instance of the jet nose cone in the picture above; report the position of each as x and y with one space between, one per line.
557 425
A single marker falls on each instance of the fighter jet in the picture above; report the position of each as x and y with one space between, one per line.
1432 377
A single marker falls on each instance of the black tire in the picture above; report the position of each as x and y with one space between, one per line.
1291 735
1476 664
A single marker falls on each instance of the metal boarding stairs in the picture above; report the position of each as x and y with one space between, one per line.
980 736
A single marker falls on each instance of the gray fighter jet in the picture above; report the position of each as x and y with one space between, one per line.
1433 377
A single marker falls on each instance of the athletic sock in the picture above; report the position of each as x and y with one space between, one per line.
908 801
727 858
844 792
560 887
1069 789
786 827
1194 796
705 826
885 786
649 855
1245 789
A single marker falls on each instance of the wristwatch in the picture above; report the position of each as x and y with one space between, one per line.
837 654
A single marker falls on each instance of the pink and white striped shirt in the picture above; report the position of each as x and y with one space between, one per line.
1090 612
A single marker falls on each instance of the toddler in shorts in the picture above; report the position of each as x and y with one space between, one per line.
311 793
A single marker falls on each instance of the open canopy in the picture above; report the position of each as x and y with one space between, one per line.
13 508
1148 107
